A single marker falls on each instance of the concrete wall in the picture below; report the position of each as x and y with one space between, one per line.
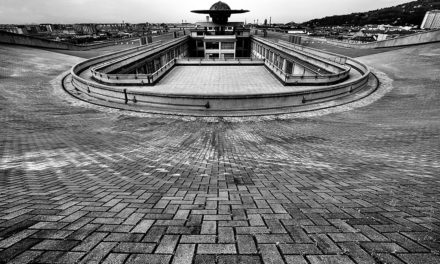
414 39
187 103
301 73
17 39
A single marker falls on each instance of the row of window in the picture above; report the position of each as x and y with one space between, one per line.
275 58
218 55
216 45
219 28
158 62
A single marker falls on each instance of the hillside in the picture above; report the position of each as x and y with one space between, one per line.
411 13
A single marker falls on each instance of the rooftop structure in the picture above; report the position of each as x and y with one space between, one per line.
220 39
285 76
431 20
220 12
85 184
352 182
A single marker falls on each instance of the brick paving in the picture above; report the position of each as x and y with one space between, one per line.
84 185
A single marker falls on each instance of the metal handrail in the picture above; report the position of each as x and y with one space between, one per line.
305 53
288 76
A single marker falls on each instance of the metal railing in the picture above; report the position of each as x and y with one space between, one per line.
289 78
123 78
304 53
236 60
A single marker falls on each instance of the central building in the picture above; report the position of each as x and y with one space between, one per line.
218 38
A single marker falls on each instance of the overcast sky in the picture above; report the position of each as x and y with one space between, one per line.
173 11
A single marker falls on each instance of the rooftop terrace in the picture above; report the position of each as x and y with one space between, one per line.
82 184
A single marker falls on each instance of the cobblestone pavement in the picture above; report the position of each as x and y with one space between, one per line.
78 184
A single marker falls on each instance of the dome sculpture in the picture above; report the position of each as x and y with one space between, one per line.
220 6
220 12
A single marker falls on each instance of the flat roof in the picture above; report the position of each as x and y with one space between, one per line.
218 80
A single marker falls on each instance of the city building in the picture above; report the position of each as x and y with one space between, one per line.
431 20
219 38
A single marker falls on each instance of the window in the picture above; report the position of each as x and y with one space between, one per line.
227 45
228 55
289 67
212 45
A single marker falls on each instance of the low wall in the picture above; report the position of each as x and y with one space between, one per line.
225 103
413 39
17 39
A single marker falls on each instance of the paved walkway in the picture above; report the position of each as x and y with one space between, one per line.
78 184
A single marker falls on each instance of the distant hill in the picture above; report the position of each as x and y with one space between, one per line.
411 13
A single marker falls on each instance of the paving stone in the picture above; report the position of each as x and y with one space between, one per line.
99 252
198 239
26 257
115 258
143 226
353 250
270 254
329 259
62 245
246 244
154 234
387 258
273 238
299 249
208 227
167 244
71 257
382 247
226 235
17 248
419 258
206 249
16 238
406 243
49 257
298 234
148 258
134 247
372 233
238 259
90 242
325 244
203 259
184 254
341 237
123 237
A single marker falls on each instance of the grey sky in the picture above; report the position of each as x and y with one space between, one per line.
137 11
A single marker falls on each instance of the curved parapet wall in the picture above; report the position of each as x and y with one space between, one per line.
296 66
217 104
408 40
165 54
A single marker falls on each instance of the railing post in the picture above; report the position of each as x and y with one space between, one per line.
125 95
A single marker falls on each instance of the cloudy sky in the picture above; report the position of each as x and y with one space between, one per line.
137 11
